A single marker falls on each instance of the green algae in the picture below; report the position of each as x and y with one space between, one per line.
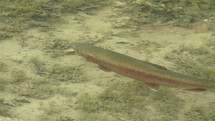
38 66
167 103
3 83
42 79
55 110
5 109
66 74
3 80
96 117
201 113
131 101
118 101
89 104
197 61
147 46
18 76
121 97
34 88
117 98
57 72
182 13
3 66
57 47
18 15
49 75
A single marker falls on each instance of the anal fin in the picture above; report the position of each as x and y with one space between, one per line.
154 87
196 89
104 68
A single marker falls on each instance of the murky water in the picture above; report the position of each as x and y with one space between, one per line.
42 79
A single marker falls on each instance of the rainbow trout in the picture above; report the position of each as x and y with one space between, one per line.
151 74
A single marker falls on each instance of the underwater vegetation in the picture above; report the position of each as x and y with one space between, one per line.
55 110
17 15
201 113
198 61
2 66
18 76
57 47
166 102
43 79
147 46
3 82
39 66
130 101
115 103
34 89
57 72
66 73
182 13
4 110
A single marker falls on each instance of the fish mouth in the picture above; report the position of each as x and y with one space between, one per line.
82 48
77 47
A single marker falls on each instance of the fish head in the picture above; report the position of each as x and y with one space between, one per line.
84 49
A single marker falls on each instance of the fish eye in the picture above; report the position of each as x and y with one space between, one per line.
77 51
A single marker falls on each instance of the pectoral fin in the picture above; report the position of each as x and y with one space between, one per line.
104 68
154 87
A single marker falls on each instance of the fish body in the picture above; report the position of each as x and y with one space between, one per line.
151 74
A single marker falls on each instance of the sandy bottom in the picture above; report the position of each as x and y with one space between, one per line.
22 99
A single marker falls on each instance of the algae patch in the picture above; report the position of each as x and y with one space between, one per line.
3 66
18 76
57 47
184 13
5 109
67 74
198 61
115 103
17 16
167 103
201 113
131 101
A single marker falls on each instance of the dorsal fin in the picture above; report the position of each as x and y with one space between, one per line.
155 65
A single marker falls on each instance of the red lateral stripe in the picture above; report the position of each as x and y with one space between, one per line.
138 75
